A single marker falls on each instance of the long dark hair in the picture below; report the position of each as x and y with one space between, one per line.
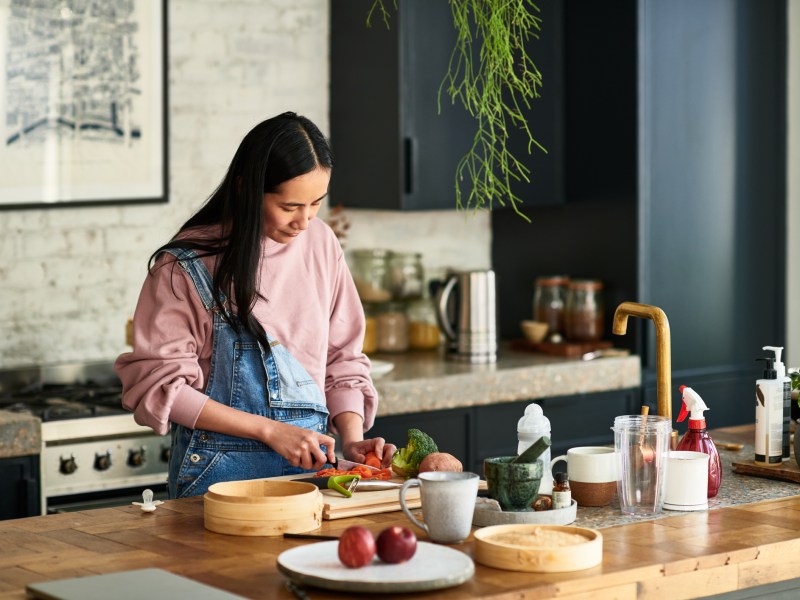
274 151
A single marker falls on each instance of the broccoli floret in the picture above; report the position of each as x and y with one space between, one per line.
405 461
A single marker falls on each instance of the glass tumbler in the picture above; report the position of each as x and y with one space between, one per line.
642 446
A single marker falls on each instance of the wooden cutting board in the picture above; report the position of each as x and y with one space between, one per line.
787 471
569 349
337 506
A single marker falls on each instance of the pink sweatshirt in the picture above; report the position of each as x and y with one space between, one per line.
312 308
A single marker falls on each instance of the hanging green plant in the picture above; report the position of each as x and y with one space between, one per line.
495 79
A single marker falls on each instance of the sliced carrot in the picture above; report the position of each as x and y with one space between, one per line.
372 460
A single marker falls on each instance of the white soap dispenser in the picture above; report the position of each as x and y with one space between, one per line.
786 382
530 428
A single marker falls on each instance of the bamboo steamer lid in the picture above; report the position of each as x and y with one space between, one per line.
493 549
260 507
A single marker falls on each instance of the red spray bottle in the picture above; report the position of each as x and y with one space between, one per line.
696 438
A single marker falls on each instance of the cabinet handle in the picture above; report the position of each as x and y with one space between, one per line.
408 149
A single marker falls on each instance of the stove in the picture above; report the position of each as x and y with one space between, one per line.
93 452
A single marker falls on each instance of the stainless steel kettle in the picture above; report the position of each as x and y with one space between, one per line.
467 314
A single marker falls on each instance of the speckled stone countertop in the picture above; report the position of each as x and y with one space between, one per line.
20 434
429 381
735 489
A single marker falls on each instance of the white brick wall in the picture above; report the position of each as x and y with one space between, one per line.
69 278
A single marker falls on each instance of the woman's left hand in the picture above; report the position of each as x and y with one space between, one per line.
357 451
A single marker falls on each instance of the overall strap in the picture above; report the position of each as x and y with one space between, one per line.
196 269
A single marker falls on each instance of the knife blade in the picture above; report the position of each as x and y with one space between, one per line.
361 485
347 465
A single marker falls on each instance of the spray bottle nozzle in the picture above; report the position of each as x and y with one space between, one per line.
691 403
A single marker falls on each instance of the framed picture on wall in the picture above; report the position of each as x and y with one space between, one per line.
83 99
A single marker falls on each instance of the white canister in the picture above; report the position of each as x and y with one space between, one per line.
687 481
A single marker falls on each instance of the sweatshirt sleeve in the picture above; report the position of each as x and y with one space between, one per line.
348 385
162 377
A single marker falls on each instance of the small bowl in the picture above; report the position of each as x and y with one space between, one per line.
534 331
513 485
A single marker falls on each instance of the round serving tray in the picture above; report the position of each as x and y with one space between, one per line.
488 512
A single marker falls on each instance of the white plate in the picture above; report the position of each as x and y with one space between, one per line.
380 367
432 567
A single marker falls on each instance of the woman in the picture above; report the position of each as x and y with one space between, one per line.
248 329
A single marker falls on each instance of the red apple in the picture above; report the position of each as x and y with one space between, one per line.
356 547
396 544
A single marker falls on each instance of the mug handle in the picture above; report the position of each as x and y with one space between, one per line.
407 484
555 460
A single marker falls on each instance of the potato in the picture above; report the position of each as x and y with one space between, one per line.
440 461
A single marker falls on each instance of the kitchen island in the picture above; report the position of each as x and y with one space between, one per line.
684 556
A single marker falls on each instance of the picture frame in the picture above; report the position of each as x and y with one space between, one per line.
83 103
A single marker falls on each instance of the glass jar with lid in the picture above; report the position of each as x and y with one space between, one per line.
584 310
371 330
406 278
424 331
549 299
370 269
393 327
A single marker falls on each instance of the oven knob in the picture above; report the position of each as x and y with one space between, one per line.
136 457
165 454
68 465
102 462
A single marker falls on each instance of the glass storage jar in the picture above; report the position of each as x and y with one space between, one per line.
549 299
424 331
371 330
406 277
584 310
392 327
370 273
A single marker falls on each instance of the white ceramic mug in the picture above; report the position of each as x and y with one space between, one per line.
592 472
448 502
687 481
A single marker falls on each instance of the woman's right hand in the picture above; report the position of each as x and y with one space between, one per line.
301 447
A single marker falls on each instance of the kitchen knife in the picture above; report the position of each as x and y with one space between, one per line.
361 485
348 465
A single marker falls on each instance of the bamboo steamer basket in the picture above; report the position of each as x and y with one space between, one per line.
538 559
260 507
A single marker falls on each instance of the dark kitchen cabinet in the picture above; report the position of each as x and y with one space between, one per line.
449 428
393 149
20 487
676 193
475 433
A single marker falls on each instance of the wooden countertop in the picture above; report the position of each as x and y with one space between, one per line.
685 556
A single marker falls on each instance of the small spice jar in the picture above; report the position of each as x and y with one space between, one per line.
424 331
371 330
562 495
370 269
405 277
549 299
393 327
584 310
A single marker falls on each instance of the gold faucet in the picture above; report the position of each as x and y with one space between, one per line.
663 360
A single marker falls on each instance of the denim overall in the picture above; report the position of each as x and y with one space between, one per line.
245 377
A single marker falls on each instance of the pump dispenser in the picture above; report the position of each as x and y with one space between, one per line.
532 426
780 371
696 438
769 417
